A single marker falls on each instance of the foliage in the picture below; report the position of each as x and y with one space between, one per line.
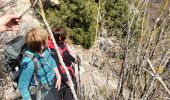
115 15
76 15
79 17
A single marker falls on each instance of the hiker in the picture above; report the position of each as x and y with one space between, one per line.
41 68
60 37
9 22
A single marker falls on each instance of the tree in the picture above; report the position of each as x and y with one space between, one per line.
78 17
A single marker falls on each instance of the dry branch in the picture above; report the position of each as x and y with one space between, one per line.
154 74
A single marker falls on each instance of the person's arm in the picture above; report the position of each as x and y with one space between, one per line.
60 68
25 78
69 57
58 83
9 22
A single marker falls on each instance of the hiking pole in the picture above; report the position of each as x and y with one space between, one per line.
78 64
79 83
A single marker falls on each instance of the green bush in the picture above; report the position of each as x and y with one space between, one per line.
116 13
115 16
78 17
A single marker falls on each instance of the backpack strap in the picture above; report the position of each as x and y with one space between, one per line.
70 68
37 83
35 61
62 51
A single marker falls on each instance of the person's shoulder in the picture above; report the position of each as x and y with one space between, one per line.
47 51
27 63
27 56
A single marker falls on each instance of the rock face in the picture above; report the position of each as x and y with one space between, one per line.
28 21
107 46
95 83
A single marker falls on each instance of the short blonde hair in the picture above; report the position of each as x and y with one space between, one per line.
35 38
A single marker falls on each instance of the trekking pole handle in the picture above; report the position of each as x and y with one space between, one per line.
78 60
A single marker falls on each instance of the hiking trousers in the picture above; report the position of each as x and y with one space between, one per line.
65 91
66 94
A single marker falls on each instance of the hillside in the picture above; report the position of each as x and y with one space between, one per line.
123 46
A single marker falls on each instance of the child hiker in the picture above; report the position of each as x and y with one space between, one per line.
60 37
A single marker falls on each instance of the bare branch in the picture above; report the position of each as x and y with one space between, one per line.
158 77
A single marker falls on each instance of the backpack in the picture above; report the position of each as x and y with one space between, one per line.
13 54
